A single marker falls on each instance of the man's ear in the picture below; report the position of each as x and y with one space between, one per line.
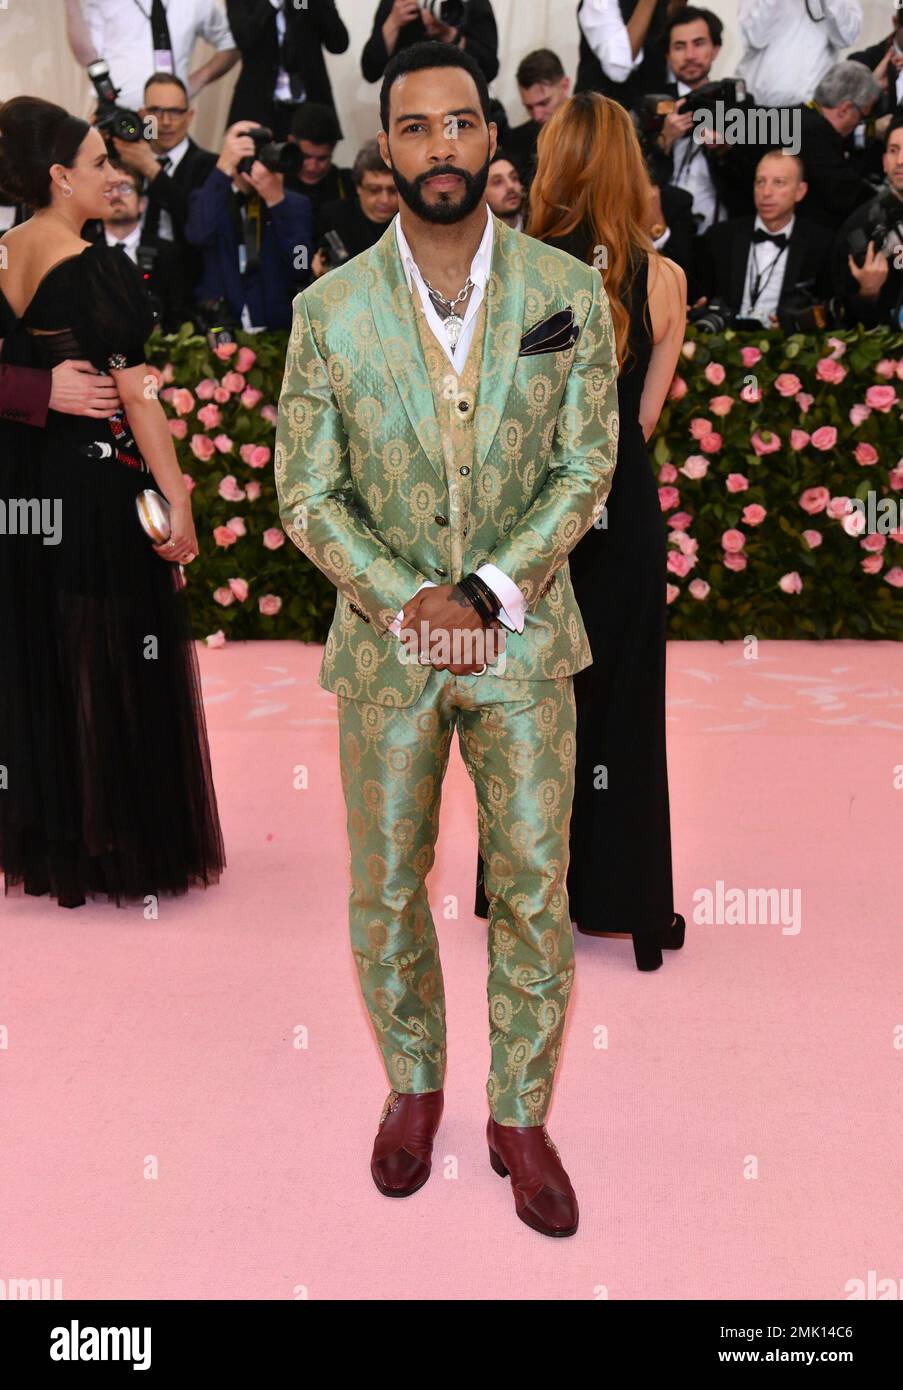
802 190
383 142
493 138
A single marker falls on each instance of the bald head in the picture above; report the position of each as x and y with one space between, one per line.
779 186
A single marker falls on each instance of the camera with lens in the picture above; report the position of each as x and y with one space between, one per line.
279 158
214 317
452 12
882 215
654 107
334 250
112 120
713 317
801 311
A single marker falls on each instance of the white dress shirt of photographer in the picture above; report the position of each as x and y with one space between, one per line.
691 172
606 33
120 32
789 45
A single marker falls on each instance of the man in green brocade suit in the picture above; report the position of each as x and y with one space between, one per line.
447 432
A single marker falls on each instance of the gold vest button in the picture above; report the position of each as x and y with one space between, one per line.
440 520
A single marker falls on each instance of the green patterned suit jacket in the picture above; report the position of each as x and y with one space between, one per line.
359 464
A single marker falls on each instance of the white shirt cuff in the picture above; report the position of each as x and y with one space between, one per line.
514 604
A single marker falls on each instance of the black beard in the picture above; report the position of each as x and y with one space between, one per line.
443 212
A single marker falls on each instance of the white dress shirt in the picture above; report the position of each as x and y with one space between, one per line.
606 33
514 604
786 53
129 243
691 172
283 88
762 257
121 32
175 157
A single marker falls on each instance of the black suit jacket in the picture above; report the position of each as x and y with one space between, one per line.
887 102
479 27
871 312
345 217
651 74
835 172
724 257
307 32
173 191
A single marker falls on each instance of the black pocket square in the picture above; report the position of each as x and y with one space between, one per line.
557 333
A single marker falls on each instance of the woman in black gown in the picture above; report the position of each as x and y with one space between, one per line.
106 784
590 197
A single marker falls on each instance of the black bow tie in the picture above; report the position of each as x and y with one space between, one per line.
778 238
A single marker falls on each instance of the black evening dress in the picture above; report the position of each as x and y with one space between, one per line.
620 876
105 776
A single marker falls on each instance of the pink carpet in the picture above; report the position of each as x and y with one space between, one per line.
189 1103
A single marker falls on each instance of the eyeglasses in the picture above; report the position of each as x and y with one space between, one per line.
123 189
161 111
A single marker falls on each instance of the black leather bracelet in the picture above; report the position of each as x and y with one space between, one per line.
490 596
476 598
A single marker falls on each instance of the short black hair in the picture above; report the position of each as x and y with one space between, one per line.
431 55
896 124
502 154
542 65
316 122
169 77
689 15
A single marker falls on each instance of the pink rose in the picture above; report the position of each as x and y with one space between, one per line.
895 577
813 539
687 545
245 359
668 497
865 454
239 588
791 583
679 521
699 588
178 428
814 499
872 564
831 371
695 467
205 389
839 507
667 473
216 639
751 394
250 396
838 345
886 367
210 416
873 542
749 356
224 444
798 439
273 538
733 541
225 350
223 597
710 443
252 490
182 401
236 525
853 522
233 382
260 456
824 438
734 560
202 447
882 398
190 484
678 389
754 515
895 477
858 414
721 405
767 443
714 373
804 401
221 395
700 427
269 605
224 536
679 563
270 414
736 482
229 490
787 384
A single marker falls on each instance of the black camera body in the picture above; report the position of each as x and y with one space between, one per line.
713 317
279 158
453 12
112 120
883 213
803 312
654 107
334 250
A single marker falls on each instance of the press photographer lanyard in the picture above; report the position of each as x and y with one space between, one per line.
156 17
758 285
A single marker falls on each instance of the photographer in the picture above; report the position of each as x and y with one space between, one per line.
835 170
759 267
315 130
255 237
282 61
543 86
357 222
717 176
161 265
789 45
470 24
868 255
621 50
885 61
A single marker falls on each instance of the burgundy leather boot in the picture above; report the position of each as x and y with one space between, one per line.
543 1196
403 1148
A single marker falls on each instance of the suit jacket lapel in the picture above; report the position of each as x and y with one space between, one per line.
742 242
396 328
796 249
505 297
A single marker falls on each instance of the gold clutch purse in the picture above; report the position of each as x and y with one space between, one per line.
153 513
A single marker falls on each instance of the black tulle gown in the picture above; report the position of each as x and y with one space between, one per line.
109 789
620 875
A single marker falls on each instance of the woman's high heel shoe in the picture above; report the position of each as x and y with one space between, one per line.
648 946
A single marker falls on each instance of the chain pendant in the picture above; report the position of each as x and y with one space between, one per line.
453 326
